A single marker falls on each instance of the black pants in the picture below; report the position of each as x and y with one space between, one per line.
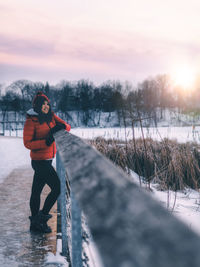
44 174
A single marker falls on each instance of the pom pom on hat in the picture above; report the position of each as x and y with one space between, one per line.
40 94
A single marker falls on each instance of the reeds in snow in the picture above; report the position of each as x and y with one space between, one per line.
174 166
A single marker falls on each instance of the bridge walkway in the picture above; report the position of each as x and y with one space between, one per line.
19 247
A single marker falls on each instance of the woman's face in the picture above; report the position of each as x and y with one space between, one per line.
45 107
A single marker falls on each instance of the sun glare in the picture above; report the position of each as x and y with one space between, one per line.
184 77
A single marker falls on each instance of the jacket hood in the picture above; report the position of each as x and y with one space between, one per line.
31 112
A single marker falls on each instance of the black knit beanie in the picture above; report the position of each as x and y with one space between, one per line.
38 101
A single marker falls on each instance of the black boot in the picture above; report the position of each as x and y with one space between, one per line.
39 225
44 217
35 224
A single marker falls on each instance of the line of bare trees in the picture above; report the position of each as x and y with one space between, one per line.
85 98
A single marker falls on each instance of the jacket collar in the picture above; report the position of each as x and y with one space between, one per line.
31 112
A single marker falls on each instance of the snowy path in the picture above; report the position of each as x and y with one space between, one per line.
18 247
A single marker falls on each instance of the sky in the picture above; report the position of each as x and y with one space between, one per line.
124 40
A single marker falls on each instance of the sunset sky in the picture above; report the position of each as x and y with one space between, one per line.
130 40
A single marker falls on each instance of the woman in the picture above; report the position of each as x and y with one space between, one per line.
40 125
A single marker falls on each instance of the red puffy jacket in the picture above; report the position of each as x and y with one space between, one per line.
35 134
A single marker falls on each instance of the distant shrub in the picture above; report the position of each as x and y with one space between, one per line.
172 165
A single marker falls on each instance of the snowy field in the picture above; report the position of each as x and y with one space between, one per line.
185 205
182 134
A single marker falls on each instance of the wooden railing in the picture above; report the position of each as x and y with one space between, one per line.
129 227
69 219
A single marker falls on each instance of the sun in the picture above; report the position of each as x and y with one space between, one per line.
184 77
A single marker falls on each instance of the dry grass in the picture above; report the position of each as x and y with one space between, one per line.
174 166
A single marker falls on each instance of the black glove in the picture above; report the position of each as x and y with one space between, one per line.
59 126
49 139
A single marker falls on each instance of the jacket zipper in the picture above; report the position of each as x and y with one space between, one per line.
54 141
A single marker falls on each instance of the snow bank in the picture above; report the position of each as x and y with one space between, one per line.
57 259
185 205
13 155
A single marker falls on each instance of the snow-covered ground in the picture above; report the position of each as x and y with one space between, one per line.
182 134
185 205
13 155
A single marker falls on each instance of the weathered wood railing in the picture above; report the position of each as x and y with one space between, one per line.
69 214
130 228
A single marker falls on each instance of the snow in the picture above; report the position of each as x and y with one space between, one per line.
58 259
182 134
89 247
13 155
185 205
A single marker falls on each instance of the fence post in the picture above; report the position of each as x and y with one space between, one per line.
62 204
10 128
76 233
16 128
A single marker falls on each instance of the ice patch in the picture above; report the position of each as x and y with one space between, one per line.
58 258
